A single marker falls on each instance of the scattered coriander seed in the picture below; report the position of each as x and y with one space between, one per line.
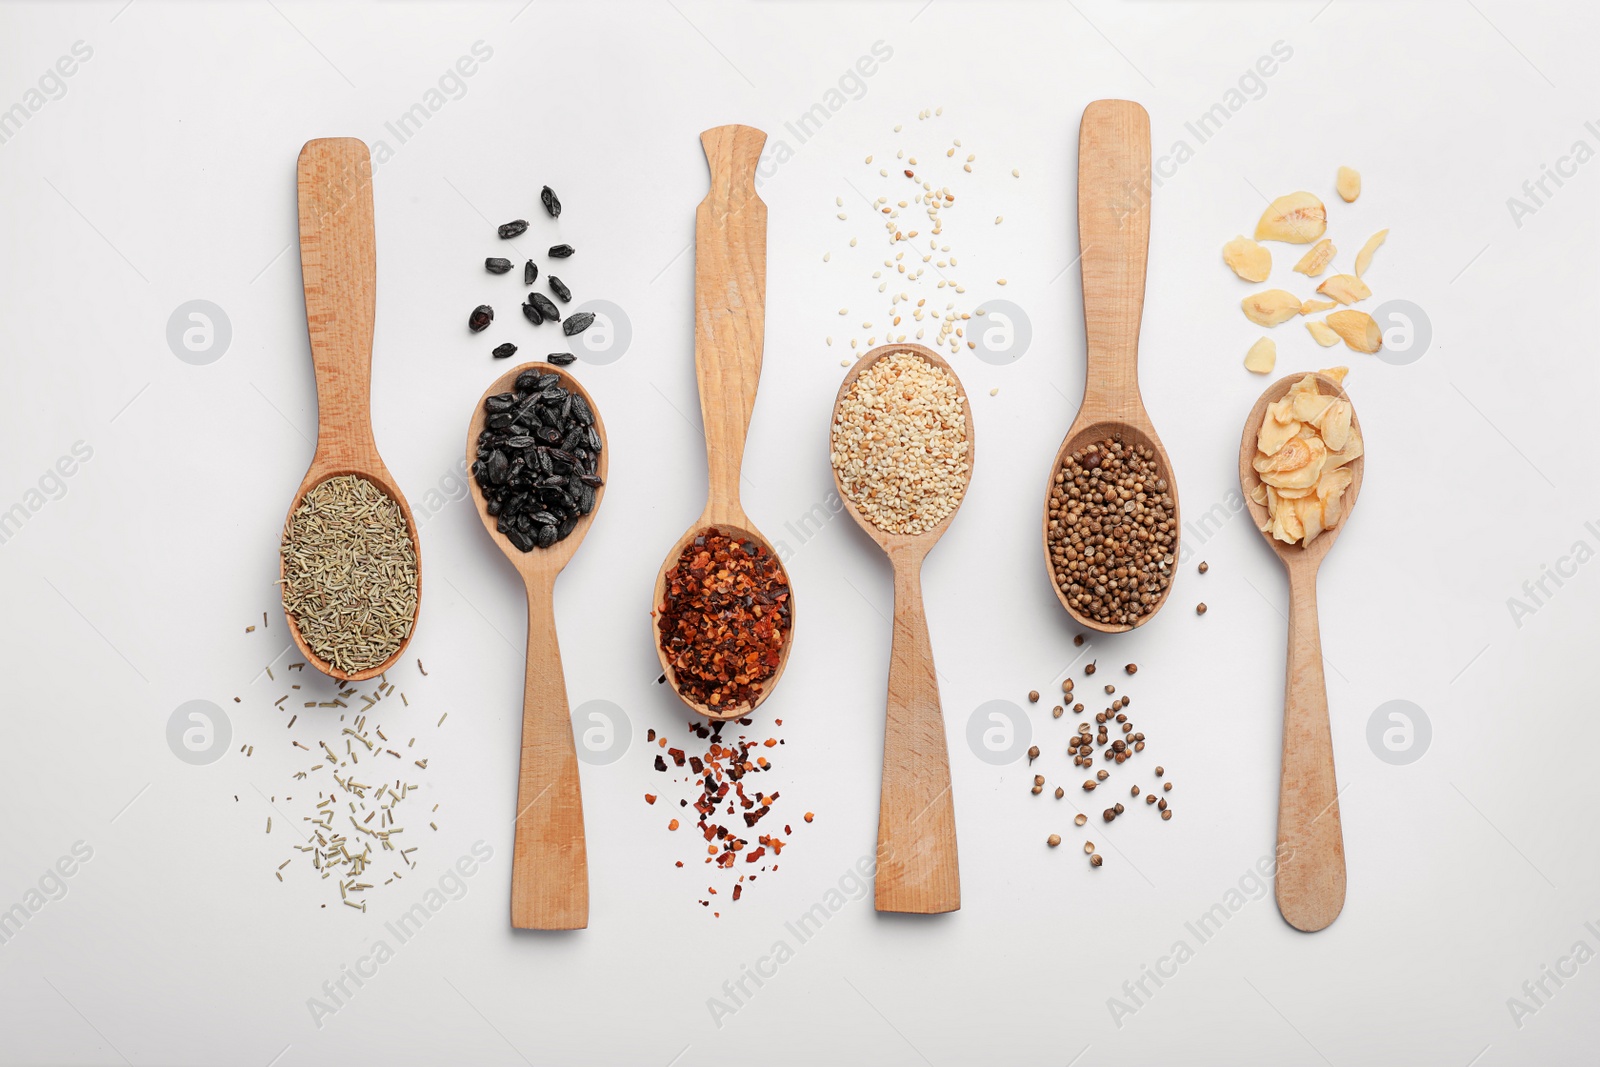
1204 566
1200 609
1161 805
1118 808
1134 791
1101 776
1053 840
1150 798
1089 785
1110 689
1166 814
1033 753
1038 789
1132 668
1166 787
1033 696
1038 779
1108 814
1080 819
1088 846
1077 709
1060 792
1077 640
1095 860
1055 712
1160 770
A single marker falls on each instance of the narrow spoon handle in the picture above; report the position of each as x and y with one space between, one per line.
1113 245
549 864
917 868
1310 880
339 267
730 298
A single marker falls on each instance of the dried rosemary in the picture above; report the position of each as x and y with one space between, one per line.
350 573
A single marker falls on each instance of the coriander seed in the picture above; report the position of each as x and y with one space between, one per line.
1053 840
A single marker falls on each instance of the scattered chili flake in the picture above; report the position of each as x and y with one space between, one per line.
725 619
809 816
720 786
649 798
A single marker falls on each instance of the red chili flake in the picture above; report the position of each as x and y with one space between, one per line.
649 798
725 619
673 825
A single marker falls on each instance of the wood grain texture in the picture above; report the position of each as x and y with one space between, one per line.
1311 870
1114 246
549 862
918 868
339 268
730 295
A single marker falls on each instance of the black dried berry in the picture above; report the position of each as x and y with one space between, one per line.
551 202
497 266
561 251
561 359
481 317
576 324
505 351
559 287
514 228
530 273
532 313
545 306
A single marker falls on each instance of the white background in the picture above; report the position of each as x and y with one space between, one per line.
165 173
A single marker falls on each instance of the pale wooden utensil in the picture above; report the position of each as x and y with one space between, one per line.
1114 245
1310 880
917 865
549 863
339 266
730 297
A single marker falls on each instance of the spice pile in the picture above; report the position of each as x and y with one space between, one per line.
723 619
716 781
354 832
1111 532
1303 447
537 308
538 458
1116 750
1302 218
350 573
900 443
912 184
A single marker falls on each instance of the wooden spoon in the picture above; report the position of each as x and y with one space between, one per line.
339 267
730 295
1114 244
1310 881
549 862
917 868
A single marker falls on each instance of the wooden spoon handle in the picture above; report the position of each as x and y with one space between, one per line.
917 867
339 266
1310 881
549 863
1114 245
730 297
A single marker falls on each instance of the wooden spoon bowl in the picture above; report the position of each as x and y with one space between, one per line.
737 529
1114 247
549 863
918 869
1310 883
338 264
730 295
